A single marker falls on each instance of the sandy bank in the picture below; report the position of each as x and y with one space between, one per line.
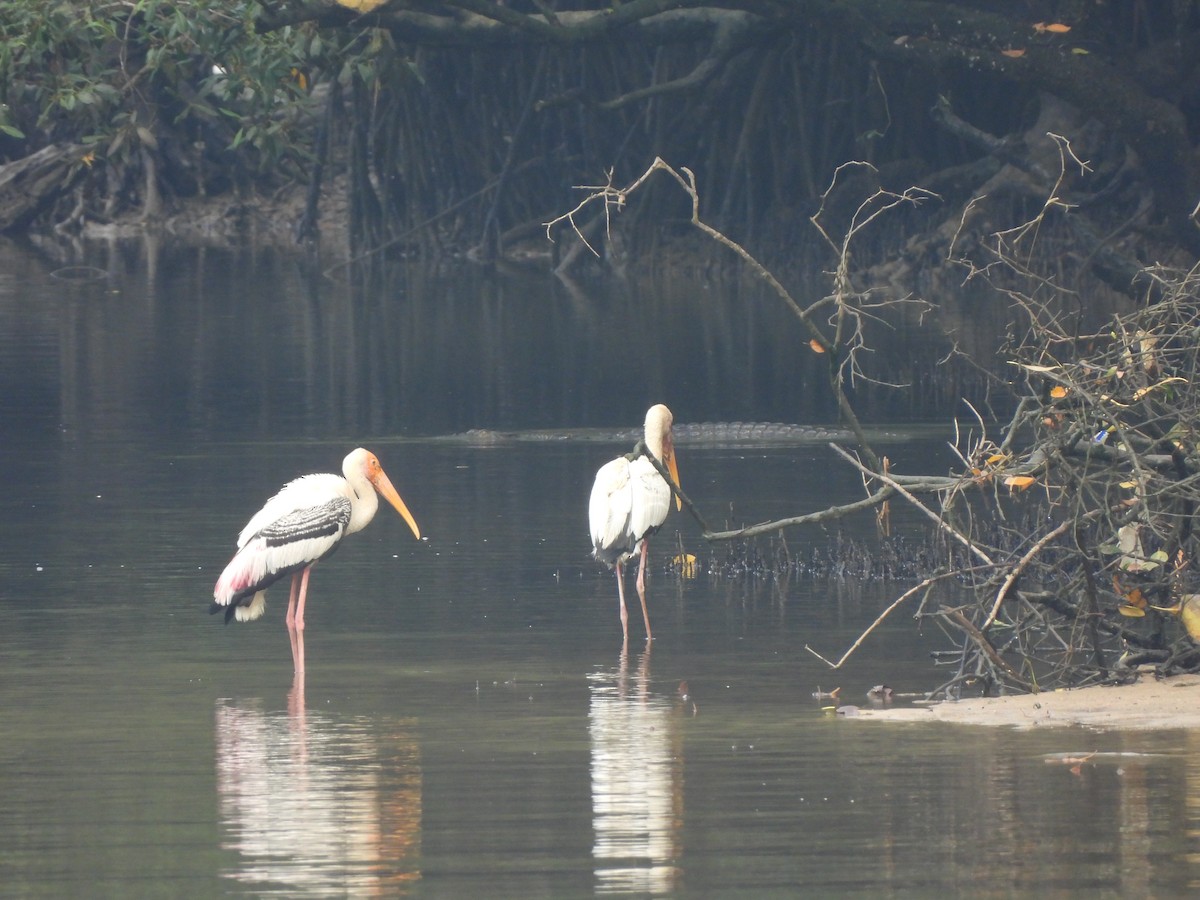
1148 704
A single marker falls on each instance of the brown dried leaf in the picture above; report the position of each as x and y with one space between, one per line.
1052 28
1019 482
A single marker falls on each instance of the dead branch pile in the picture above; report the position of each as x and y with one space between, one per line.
1111 470
1073 559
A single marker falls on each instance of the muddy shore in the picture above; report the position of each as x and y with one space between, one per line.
1146 705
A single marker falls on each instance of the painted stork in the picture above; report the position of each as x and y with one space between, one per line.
629 502
302 524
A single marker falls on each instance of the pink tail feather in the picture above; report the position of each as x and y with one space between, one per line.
236 579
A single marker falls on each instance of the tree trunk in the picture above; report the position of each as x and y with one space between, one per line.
30 185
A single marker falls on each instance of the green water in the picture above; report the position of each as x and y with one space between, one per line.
468 724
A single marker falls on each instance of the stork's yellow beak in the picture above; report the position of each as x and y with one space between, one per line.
669 453
383 484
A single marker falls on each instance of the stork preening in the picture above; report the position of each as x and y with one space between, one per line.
629 502
302 524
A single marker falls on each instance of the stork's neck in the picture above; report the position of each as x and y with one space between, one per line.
364 502
654 443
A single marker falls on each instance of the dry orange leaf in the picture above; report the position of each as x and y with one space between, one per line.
1058 392
1019 482
816 346
1014 54
1052 28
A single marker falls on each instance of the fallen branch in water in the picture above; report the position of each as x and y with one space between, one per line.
832 512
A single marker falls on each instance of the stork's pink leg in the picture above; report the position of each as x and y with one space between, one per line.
641 587
297 638
291 610
621 593
303 596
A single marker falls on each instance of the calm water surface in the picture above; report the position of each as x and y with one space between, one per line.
469 723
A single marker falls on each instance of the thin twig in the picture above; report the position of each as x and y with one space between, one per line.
1016 571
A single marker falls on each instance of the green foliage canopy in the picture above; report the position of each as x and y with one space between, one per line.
122 75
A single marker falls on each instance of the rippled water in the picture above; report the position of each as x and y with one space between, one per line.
469 723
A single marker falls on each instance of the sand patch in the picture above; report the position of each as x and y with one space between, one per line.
1147 704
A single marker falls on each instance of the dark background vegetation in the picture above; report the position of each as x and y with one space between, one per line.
464 126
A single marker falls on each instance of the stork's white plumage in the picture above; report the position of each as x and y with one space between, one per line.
629 502
300 525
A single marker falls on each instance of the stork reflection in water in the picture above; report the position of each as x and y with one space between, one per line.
637 759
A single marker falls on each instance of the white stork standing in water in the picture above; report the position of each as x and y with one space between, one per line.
303 523
630 500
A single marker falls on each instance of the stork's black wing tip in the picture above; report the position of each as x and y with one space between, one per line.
214 608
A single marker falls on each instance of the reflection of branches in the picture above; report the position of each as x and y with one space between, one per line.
923 587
